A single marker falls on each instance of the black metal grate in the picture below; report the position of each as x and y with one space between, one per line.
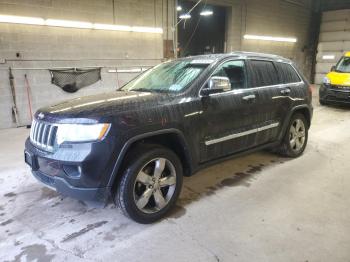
71 80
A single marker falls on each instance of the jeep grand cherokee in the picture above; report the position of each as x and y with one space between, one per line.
134 145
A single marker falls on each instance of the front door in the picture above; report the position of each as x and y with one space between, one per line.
228 118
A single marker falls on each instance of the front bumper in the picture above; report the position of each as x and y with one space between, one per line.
82 177
61 186
334 95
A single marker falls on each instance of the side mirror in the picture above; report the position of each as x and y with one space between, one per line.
332 68
217 84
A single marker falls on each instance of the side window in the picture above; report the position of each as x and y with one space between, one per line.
233 70
287 73
263 73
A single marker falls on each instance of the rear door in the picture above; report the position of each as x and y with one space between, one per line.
291 90
263 78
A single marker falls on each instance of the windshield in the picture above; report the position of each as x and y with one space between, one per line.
344 65
172 76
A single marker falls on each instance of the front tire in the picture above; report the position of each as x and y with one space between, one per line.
150 184
296 137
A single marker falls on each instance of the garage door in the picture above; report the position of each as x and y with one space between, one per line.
334 40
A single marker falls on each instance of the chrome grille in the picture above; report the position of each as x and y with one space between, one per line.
43 135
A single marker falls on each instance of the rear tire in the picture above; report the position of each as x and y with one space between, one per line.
150 184
296 137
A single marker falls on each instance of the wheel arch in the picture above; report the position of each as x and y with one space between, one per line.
303 109
170 138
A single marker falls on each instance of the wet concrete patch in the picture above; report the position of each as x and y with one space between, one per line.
254 169
11 194
177 211
34 252
48 193
109 236
237 172
239 179
9 221
83 231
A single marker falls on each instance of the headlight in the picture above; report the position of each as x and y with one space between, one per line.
326 81
81 132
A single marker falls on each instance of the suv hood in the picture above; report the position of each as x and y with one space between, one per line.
100 106
337 78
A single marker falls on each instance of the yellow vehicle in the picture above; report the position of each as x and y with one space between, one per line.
336 85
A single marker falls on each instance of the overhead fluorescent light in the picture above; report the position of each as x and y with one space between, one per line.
179 8
328 57
185 16
270 38
206 13
76 24
112 27
21 20
66 23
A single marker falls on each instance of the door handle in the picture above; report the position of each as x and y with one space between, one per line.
285 91
249 97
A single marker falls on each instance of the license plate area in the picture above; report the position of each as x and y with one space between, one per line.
30 159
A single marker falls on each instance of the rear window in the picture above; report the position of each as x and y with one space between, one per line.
263 73
287 73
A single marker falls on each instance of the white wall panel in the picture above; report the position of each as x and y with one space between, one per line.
334 40
335 36
337 46
323 68
335 15
335 26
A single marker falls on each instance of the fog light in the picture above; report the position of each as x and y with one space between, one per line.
72 171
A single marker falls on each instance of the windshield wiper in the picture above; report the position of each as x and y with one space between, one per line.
142 90
151 90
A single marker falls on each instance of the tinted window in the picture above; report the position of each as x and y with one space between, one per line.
287 73
233 70
263 73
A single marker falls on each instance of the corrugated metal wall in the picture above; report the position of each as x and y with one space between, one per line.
334 40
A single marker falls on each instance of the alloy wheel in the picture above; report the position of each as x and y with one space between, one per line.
297 135
154 185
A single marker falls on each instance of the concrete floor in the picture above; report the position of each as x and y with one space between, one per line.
254 208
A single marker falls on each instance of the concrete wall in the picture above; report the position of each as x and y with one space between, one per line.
48 47
44 47
334 40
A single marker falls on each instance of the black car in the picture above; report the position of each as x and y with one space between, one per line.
135 144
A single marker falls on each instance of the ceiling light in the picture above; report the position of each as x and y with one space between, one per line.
76 24
270 38
179 8
328 57
112 27
21 20
206 13
185 16
66 23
